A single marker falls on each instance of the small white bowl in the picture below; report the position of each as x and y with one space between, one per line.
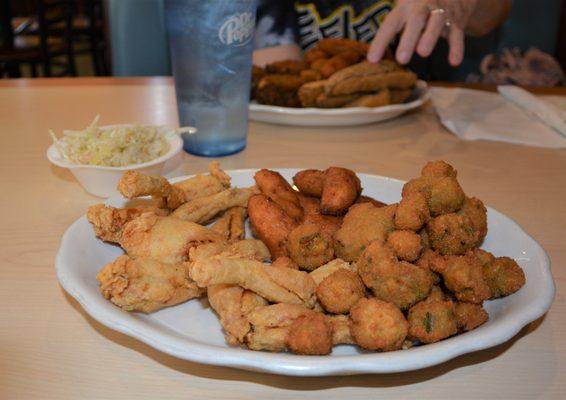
102 181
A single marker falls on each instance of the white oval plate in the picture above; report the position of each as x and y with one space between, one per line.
337 116
191 330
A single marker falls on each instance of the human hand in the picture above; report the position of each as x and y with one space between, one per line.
422 23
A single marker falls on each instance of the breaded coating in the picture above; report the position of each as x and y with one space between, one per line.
469 316
399 96
333 46
108 222
504 276
340 325
341 187
412 212
285 262
319 274
249 248
144 284
276 188
314 54
310 334
378 325
310 75
310 247
391 280
165 239
425 239
339 291
204 209
406 245
276 284
293 67
280 89
309 182
134 184
438 168
324 100
427 257
436 294
271 224
309 92
485 257
370 77
232 304
257 74
339 62
231 224
363 224
463 276
452 234
475 210
379 99
327 223
431 321
367 199
444 194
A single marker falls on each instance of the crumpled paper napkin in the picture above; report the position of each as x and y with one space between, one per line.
480 115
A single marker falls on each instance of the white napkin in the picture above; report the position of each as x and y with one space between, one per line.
480 115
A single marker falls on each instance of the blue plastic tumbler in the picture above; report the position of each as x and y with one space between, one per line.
211 55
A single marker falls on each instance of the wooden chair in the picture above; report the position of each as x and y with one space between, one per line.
43 48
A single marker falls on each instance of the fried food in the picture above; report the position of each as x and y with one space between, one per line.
363 224
276 188
309 182
314 54
293 67
477 213
339 291
309 246
231 224
381 98
378 325
370 77
463 276
280 89
312 215
276 284
339 61
271 224
165 239
309 92
108 222
406 245
452 234
391 280
319 274
247 248
503 276
469 316
340 189
412 212
144 284
310 334
399 96
323 100
367 199
257 74
431 321
204 209
233 304
134 184
309 75
341 333
438 168
334 46
285 262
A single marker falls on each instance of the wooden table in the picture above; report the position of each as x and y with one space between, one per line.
51 349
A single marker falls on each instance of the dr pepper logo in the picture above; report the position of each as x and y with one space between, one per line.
237 30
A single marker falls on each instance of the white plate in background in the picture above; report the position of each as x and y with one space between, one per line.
337 116
191 331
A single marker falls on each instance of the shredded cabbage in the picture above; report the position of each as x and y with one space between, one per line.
115 147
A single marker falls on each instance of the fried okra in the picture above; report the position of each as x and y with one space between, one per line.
469 316
378 325
406 244
391 280
309 246
339 291
412 212
431 321
310 334
475 210
503 276
452 234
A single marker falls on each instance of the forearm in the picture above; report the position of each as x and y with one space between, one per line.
488 15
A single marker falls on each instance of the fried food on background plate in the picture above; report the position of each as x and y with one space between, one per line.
231 224
469 316
398 96
452 234
367 199
503 276
412 212
364 223
165 239
406 245
280 89
378 325
340 290
144 284
285 262
276 284
323 100
204 209
381 98
276 188
370 77
271 224
339 62
431 321
292 67
333 46
310 334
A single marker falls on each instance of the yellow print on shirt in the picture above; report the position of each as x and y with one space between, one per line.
341 23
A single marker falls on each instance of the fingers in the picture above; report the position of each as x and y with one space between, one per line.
456 44
410 37
387 31
430 36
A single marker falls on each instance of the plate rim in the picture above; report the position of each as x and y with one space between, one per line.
296 365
